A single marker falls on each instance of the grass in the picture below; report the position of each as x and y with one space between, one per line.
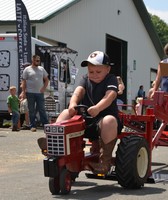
7 124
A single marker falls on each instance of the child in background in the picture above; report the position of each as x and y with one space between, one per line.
13 107
138 107
24 112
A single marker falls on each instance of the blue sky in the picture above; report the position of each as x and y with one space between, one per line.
158 7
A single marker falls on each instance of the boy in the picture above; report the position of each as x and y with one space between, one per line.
13 107
98 90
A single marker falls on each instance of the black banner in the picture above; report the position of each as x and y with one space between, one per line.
24 36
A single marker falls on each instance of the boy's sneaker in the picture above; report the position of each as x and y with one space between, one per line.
33 129
42 142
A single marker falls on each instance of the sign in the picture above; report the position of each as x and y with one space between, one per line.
23 36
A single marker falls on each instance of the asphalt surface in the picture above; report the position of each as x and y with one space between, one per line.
22 177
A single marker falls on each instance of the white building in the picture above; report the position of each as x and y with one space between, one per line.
121 28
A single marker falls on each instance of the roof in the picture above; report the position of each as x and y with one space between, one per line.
38 10
41 11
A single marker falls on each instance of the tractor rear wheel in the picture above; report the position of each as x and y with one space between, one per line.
54 186
132 162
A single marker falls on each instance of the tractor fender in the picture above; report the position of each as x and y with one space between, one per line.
51 167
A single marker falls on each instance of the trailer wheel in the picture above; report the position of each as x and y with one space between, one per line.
132 162
54 186
65 181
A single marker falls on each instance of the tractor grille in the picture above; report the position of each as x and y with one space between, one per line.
55 145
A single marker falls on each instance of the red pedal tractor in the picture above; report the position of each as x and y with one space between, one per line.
131 166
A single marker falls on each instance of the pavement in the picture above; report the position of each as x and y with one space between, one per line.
22 175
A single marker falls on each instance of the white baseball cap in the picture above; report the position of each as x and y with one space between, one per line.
97 58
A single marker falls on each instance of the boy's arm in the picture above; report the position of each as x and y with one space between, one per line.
75 99
8 104
9 107
103 103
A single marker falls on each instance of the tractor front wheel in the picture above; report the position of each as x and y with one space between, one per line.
65 181
132 162
54 186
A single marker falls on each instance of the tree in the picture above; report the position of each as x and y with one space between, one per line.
161 28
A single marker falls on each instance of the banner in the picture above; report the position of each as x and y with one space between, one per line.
23 36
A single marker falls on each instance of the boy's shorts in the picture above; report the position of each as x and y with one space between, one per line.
93 130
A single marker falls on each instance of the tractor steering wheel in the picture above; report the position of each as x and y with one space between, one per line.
82 110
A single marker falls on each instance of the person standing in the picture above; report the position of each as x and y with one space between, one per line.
141 92
35 80
161 81
13 107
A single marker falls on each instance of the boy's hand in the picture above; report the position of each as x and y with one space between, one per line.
93 111
72 110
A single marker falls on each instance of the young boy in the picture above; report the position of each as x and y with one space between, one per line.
13 107
98 90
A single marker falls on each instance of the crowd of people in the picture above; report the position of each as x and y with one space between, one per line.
31 100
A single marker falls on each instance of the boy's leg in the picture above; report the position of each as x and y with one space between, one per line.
108 126
15 120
